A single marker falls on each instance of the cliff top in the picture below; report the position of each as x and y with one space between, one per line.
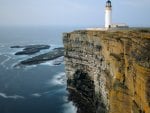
124 33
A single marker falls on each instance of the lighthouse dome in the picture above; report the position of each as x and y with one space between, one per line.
108 3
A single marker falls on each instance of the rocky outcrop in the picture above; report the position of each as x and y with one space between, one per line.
108 71
30 49
51 55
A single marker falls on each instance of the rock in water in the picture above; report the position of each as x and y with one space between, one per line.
55 53
30 49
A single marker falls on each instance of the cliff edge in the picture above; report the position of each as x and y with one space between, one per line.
108 71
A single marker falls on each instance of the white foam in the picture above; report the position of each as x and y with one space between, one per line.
6 60
36 95
3 95
69 108
5 63
59 60
30 67
16 97
65 98
55 62
48 63
53 46
53 92
58 79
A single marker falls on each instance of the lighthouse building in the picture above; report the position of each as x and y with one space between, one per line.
108 17
108 14
108 20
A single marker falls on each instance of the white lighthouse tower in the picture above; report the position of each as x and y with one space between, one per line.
108 14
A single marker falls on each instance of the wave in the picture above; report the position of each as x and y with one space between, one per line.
55 62
48 63
58 79
6 60
53 46
48 93
5 63
69 108
58 61
37 95
3 95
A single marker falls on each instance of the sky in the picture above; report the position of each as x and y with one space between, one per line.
72 12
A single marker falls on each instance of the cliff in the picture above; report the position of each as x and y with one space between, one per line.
108 71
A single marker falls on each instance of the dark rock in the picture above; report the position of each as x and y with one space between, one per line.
56 53
30 49
83 97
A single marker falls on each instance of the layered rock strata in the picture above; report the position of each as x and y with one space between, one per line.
108 71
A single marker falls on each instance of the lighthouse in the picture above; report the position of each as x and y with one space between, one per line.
108 20
108 14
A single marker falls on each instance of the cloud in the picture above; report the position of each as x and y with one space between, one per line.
3 95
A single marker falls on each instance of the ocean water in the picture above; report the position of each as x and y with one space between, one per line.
32 89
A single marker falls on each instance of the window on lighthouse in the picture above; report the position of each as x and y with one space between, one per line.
108 4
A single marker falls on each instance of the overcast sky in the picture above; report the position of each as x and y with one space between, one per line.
72 12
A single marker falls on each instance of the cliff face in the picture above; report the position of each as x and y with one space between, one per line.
109 71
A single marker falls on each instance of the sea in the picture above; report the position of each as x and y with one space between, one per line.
37 88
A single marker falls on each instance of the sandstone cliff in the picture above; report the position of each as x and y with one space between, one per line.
109 71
